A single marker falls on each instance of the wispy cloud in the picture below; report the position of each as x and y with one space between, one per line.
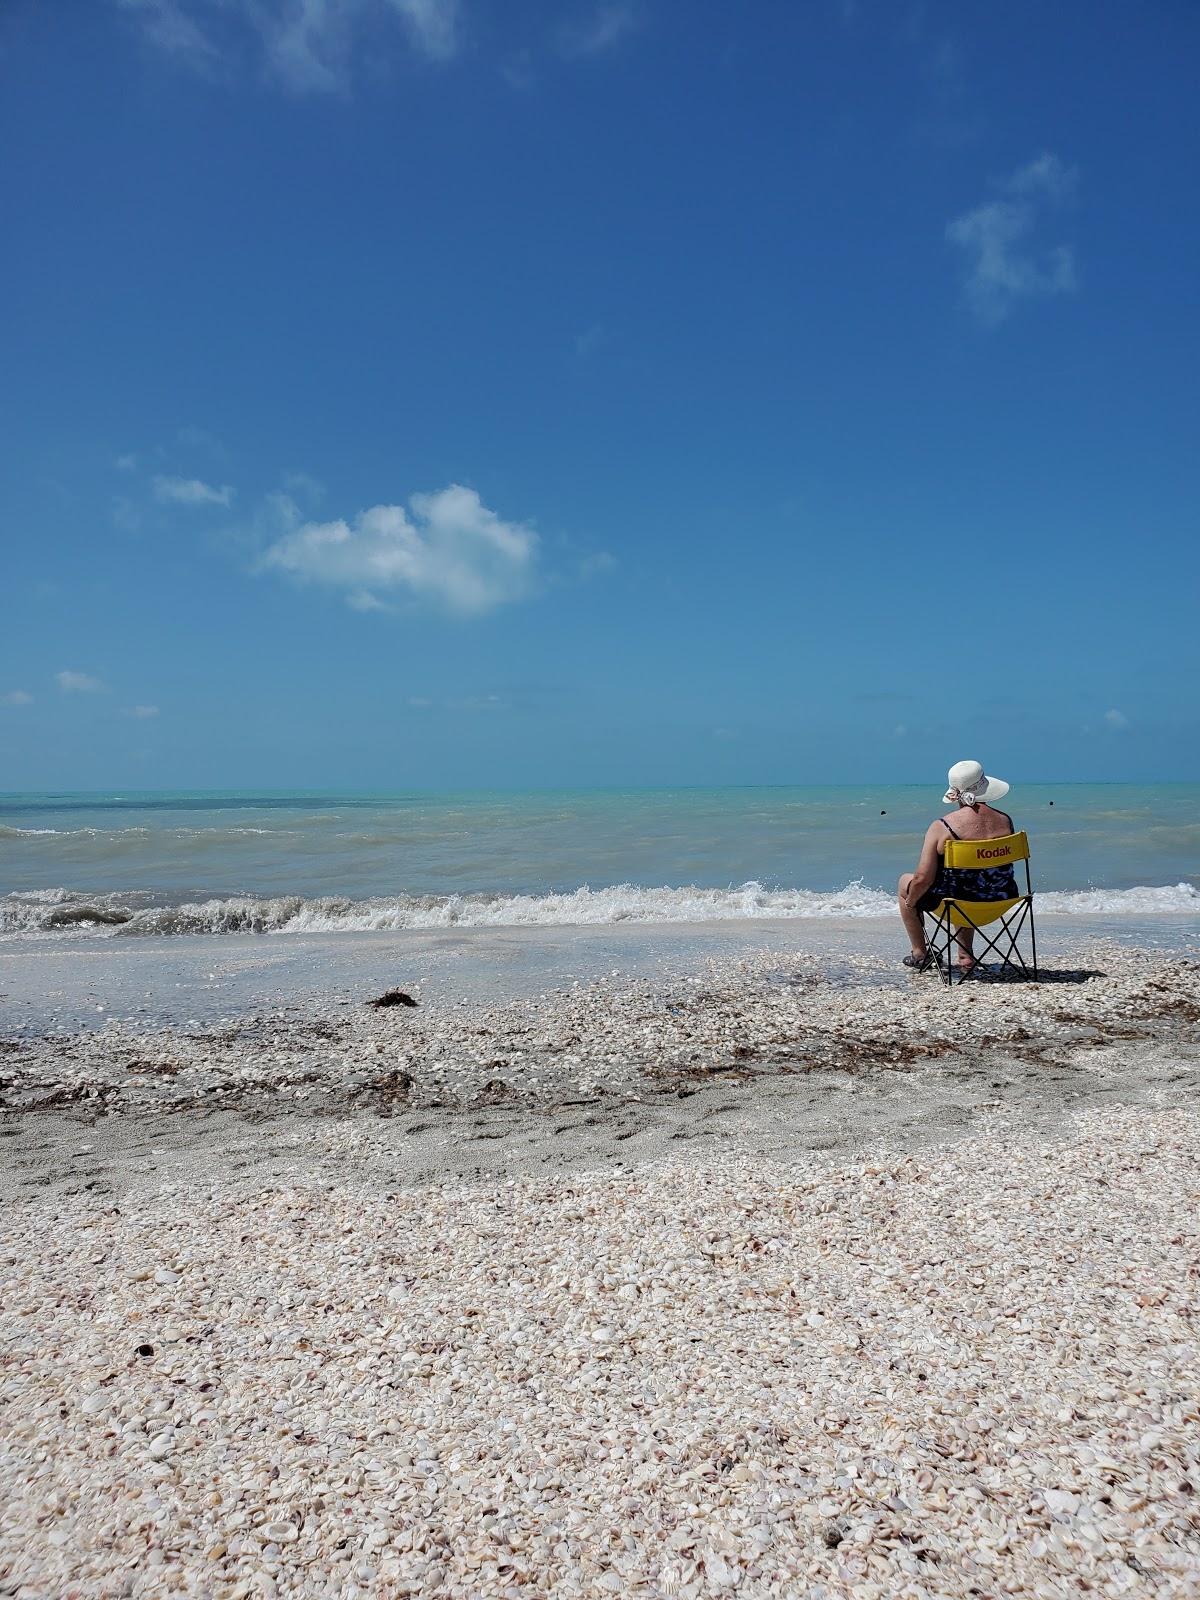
364 600
433 25
191 492
142 713
303 487
478 702
1116 720
125 514
125 463
998 240
591 340
448 548
16 697
599 30
596 563
192 437
78 682
1044 175
168 26
517 69
308 46
470 703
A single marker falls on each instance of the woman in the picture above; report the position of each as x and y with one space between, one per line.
972 792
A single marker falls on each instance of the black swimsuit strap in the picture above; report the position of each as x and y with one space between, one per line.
947 827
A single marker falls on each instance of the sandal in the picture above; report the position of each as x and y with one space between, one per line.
919 963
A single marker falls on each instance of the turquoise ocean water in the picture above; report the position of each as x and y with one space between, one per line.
116 865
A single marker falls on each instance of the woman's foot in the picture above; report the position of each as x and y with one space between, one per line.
966 964
919 959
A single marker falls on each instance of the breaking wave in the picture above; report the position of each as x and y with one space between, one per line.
7 832
60 910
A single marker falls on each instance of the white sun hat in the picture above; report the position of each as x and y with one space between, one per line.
968 783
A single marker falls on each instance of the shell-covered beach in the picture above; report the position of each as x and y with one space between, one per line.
775 1276
969 1373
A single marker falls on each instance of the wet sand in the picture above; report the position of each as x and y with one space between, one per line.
763 1040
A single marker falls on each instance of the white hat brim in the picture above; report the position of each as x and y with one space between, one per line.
991 789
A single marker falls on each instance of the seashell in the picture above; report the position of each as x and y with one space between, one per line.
1060 1502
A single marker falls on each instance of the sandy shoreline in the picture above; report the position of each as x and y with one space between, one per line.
769 1051
76 982
771 1277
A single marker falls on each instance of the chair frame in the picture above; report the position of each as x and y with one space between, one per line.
940 934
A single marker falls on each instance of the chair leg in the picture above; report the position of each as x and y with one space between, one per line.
1007 928
935 928
1009 953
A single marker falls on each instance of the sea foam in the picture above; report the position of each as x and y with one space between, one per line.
61 910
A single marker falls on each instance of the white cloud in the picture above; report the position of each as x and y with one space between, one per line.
307 45
998 241
451 549
607 24
16 697
141 712
78 682
125 463
1117 720
191 492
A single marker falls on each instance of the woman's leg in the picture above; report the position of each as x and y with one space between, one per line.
911 918
966 952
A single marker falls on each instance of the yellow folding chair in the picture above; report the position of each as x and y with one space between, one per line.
1013 916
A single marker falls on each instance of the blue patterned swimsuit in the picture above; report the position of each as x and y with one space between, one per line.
969 883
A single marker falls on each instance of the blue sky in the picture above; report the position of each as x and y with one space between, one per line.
402 393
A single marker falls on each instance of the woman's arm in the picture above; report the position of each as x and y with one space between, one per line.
927 866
